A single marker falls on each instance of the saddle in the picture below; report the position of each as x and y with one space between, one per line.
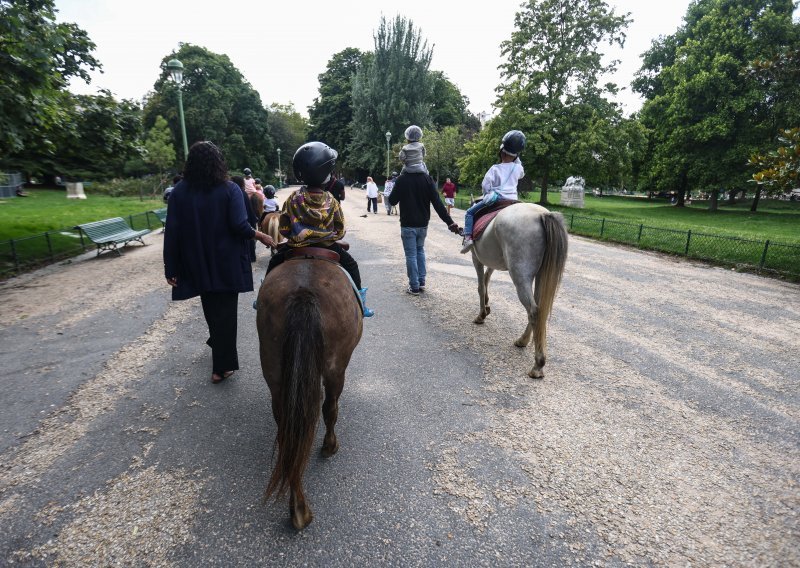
320 253
486 215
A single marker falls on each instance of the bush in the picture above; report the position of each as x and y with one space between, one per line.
133 187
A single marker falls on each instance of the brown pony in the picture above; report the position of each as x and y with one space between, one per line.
309 322
257 201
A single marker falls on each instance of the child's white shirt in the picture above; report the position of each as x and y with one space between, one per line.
503 179
270 205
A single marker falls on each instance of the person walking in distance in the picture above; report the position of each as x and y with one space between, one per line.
372 196
449 191
415 193
387 191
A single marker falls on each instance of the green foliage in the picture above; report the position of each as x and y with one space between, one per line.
706 111
551 77
219 105
38 56
332 111
448 105
158 148
390 92
289 131
779 169
442 150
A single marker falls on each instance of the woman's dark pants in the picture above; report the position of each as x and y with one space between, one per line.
220 310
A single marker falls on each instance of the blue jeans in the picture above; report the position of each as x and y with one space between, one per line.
469 216
414 246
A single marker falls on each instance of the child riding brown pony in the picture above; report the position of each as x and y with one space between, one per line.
309 322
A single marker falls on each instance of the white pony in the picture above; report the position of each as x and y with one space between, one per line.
529 242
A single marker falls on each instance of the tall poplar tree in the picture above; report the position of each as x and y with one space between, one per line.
390 92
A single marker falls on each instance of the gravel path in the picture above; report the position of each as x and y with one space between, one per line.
664 433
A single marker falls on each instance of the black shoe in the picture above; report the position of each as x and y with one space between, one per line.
412 291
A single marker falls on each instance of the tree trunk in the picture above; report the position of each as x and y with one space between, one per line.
756 197
714 201
545 180
543 195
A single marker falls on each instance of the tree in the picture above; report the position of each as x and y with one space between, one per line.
332 112
448 105
779 169
553 64
220 106
706 113
158 149
442 149
289 131
390 92
38 57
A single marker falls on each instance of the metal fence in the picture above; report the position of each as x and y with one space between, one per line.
781 259
27 253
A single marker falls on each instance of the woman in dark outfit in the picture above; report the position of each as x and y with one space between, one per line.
207 252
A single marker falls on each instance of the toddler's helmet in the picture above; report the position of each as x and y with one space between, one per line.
413 133
247 171
313 163
269 191
258 181
513 143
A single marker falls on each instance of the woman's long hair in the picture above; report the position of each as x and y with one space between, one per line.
205 166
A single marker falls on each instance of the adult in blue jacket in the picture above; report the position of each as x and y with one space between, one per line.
206 249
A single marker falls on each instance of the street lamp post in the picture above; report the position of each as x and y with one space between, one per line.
175 68
388 137
280 173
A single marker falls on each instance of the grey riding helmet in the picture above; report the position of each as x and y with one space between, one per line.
313 163
269 191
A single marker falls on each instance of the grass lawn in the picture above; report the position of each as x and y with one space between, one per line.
775 220
49 209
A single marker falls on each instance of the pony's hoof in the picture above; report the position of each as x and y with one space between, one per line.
478 320
328 451
521 343
536 373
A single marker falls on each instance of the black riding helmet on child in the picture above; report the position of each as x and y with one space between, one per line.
269 191
513 143
313 163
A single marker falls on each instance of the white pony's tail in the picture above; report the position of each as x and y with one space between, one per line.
549 277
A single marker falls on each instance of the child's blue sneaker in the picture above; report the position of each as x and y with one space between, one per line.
368 313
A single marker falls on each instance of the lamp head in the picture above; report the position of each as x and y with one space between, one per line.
175 68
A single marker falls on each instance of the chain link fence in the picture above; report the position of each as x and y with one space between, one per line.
28 253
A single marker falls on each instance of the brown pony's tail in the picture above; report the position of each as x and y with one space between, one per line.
549 277
300 391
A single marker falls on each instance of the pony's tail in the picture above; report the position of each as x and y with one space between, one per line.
300 391
549 277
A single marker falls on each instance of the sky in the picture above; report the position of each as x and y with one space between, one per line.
282 47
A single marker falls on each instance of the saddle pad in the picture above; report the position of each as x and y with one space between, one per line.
485 216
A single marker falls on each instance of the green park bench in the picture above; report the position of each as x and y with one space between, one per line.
161 214
109 233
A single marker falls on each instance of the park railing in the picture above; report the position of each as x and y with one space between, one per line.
766 256
26 253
